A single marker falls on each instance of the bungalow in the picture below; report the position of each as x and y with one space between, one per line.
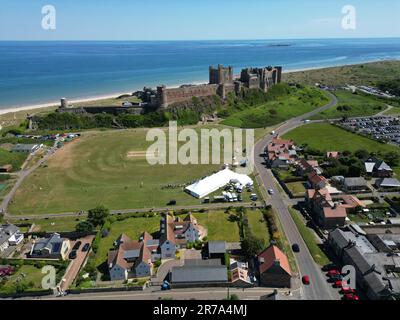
53 247
131 259
9 236
355 184
388 183
281 153
378 168
274 270
317 181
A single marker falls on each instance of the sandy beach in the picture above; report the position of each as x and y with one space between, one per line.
114 95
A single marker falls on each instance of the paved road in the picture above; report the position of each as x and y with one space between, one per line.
161 209
319 288
178 294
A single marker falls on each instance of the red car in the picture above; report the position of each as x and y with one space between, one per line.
351 296
333 273
347 290
306 280
338 284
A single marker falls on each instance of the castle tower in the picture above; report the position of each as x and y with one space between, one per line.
162 96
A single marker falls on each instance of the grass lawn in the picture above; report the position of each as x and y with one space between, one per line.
360 74
300 101
132 227
13 158
218 226
56 224
327 137
352 105
258 226
309 238
32 274
297 188
96 169
395 111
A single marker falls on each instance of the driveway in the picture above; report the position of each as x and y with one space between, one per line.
163 271
76 264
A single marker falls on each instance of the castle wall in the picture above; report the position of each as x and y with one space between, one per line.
174 95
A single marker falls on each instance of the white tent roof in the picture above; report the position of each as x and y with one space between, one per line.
212 183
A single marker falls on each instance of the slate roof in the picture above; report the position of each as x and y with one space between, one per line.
217 247
199 274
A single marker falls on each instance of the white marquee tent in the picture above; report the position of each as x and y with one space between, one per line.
208 185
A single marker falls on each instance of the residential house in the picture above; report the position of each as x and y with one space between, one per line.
350 203
10 235
378 168
373 269
358 184
328 214
281 153
131 259
304 167
176 233
53 247
199 273
387 183
317 181
274 270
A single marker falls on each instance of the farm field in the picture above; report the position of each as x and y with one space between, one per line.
327 137
108 168
352 105
278 110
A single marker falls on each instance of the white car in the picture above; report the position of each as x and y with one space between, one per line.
271 192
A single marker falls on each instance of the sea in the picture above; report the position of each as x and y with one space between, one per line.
35 72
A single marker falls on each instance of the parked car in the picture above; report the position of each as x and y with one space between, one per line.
271 192
295 247
338 284
86 247
77 245
329 266
347 290
306 280
333 272
336 277
72 255
351 296
172 203
165 286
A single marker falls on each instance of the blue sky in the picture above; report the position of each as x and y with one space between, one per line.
196 19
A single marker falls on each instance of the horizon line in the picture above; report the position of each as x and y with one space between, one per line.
187 40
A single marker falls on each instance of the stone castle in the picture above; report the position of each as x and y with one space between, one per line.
221 82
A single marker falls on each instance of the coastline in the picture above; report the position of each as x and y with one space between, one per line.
114 95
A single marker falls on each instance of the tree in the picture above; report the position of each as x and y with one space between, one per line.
392 158
98 215
361 154
84 226
251 246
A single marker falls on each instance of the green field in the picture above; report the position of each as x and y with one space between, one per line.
218 226
258 226
278 110
55 224
360 74
327 137
13 158
97 169
352 105
309 238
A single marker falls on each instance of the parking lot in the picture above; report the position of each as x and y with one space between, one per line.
380 128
